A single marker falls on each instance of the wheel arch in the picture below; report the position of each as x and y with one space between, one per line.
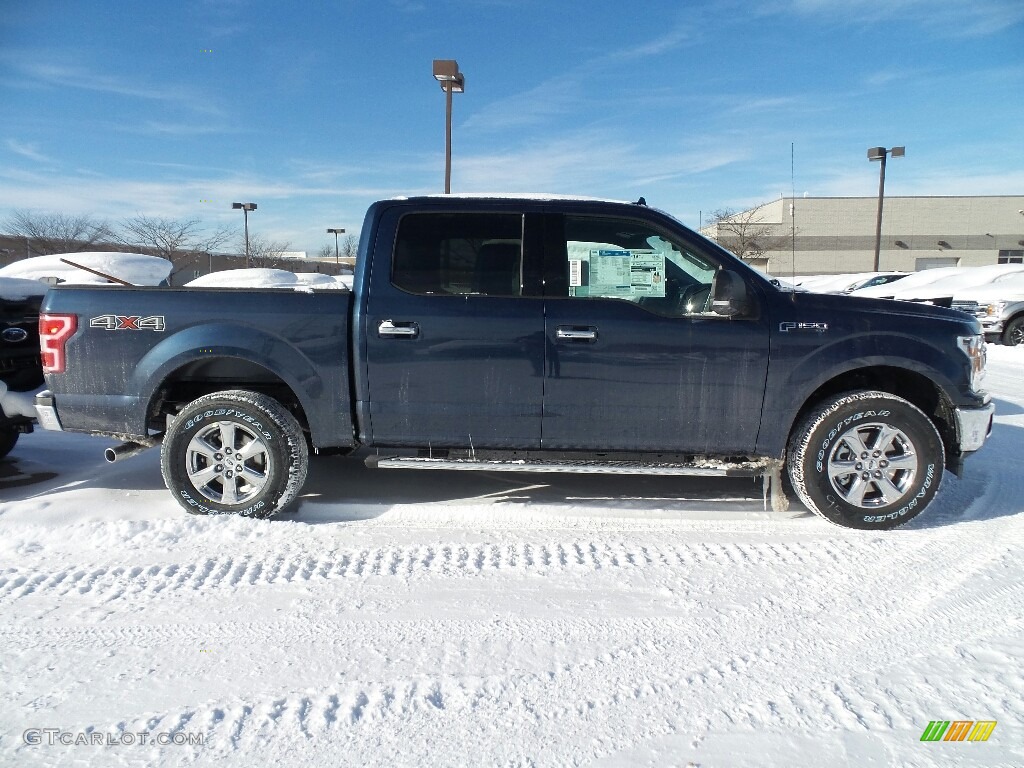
196 378
914 387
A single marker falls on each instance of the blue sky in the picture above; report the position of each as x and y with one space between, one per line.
315 109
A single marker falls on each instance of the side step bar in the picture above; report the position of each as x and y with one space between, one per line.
703 469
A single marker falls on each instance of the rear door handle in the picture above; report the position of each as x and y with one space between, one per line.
403 330
576 333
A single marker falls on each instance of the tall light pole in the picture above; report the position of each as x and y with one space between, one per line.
339 231
879 153
446 72
246 207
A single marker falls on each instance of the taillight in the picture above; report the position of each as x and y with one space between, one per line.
54 331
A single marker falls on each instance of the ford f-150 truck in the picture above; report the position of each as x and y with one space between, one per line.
525 334
1000 309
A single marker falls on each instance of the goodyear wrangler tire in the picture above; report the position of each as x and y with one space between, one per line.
234 452
867 460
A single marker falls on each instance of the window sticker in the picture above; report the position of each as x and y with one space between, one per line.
616 273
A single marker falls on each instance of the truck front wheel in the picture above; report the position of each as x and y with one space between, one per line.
866 460
234 452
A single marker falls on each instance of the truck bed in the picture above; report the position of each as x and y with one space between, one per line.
154 341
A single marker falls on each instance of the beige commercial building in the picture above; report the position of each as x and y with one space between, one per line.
837 234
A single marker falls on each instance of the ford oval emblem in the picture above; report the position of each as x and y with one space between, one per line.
14 335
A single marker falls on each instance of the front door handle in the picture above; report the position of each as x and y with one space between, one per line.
576 333
403 330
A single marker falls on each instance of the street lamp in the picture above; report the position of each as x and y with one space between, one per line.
879 153
246 207
336 232
446 72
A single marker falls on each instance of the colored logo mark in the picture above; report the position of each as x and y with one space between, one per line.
958 730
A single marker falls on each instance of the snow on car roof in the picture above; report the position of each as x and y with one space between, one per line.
134 268
514 196
267 278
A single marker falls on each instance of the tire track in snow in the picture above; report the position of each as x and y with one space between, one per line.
601 688
590 694
113 582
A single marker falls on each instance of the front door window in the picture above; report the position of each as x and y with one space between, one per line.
622 259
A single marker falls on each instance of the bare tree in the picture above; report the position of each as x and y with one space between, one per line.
266 254
326 252
169 237
58 232
745 233
349 247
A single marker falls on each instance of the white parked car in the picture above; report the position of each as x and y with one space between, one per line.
942 283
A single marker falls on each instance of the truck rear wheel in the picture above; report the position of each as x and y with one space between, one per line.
8 437
867 460
234 452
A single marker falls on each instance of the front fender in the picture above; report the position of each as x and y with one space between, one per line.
802 365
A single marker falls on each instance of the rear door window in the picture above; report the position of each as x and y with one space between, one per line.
459 254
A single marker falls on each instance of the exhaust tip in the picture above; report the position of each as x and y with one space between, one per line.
124 450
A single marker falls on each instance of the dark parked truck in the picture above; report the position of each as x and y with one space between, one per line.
525 334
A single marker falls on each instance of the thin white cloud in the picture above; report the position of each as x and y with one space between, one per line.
28 151
950 17
564 93
76 76
595 161
552 98
662 44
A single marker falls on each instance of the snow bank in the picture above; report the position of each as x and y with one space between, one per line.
19 289
135 268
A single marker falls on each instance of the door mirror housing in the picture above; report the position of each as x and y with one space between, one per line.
730 296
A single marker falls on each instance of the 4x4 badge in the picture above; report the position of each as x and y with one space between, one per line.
128 323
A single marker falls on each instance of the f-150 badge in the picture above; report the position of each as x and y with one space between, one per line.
128 323
817 327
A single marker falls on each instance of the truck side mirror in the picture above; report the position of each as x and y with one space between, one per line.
729 295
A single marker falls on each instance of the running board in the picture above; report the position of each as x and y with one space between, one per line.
703 469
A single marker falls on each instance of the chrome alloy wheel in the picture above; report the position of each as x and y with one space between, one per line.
227 462
872 465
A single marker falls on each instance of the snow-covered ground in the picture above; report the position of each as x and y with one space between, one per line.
421 618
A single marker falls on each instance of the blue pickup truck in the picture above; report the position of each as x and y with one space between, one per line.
525 334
